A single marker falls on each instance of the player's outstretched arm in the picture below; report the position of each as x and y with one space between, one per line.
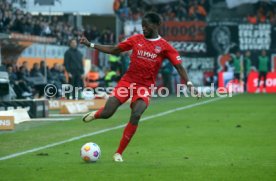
110 49
183 74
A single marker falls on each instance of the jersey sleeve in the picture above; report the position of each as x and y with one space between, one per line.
172 54
127 44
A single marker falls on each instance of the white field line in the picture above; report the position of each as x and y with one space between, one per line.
65 115
51 119
107 129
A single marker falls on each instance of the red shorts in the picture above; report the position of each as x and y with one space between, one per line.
125 90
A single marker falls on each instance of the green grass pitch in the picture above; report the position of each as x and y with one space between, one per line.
228 139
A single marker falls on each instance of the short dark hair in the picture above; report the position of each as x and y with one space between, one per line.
153 18
70 40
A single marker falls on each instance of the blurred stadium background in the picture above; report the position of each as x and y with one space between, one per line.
228 43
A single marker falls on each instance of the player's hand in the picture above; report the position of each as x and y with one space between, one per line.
194 91
84 41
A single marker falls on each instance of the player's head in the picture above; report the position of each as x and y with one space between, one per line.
73 43
248 53
238 53
263 53
9 69
150 24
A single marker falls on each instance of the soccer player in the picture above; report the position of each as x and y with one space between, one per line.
148 52
263 68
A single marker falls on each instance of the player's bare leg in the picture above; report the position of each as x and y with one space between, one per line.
105 112
138 108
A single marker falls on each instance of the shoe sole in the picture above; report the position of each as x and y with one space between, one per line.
117 161
85 116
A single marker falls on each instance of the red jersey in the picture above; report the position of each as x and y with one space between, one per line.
146 58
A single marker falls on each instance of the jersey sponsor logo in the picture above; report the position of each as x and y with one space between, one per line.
146 54
157 49
178 58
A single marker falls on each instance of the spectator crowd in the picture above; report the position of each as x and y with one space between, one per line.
30 83
181 10
264 12
16 20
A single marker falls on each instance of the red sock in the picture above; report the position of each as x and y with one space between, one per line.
98 113
129 131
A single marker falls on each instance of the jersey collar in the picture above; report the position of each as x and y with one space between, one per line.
154 39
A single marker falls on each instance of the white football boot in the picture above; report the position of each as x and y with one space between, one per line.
117 157
88 117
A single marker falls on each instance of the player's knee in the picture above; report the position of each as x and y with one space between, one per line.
136 115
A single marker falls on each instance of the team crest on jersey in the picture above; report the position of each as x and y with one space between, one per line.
157 49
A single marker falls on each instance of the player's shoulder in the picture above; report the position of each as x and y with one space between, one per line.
67 51
166 43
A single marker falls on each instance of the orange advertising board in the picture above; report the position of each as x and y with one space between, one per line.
193 31
6 122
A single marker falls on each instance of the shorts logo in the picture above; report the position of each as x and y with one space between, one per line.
157 49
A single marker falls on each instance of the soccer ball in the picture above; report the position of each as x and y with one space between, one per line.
90 152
